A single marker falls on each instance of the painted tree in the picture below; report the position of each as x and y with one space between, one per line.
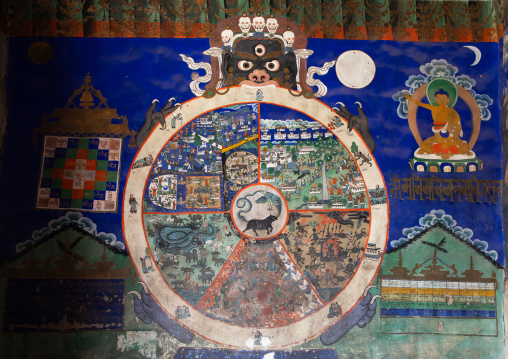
197 140
354 148
214 142
292 151
272 200
324 151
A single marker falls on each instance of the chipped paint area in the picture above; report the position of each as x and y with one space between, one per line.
144 342
167 345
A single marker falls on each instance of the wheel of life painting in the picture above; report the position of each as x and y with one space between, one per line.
251 222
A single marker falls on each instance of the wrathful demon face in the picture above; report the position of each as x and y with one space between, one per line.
259 62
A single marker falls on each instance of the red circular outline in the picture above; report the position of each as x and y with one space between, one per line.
313 336
283 198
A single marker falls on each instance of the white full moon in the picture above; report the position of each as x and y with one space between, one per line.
355 69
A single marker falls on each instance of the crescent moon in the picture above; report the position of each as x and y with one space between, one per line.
477 53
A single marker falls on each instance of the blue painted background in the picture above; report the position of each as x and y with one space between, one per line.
130 73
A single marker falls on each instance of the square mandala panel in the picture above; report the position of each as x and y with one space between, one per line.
79 173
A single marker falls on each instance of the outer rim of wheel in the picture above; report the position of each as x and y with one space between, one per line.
218 331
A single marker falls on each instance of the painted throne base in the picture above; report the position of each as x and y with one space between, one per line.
434 163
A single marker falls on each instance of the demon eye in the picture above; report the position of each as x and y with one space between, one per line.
272 65
259 50
245 65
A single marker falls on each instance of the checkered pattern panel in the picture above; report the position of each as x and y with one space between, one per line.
80 173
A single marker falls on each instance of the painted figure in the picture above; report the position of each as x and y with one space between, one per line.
360 123
146 268
133 203
145 161
446 121
272 25
152 118
289 39
335 310
259 62
227 39
182 312
244 23
259 95
259 25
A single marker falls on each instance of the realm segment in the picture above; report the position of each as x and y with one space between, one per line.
327 247
262 288
189 250
304 161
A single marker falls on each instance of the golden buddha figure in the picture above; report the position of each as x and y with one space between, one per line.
447 128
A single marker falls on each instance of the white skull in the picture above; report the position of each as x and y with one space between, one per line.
289 36
259 23
227 36
272 25
244 24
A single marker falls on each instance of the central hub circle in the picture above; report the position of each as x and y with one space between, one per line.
259 211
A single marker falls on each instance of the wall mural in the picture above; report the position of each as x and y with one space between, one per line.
286 198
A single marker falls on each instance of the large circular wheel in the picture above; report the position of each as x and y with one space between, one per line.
255 216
